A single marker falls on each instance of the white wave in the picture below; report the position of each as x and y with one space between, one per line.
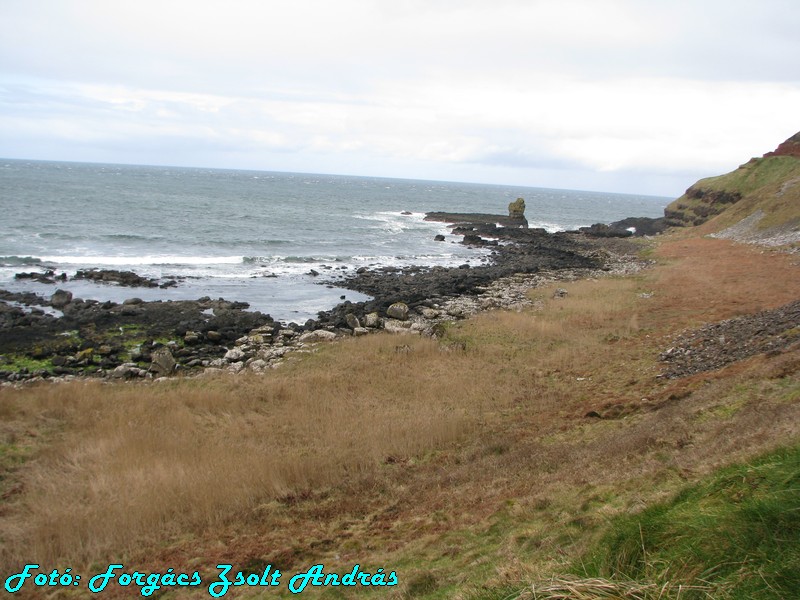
549 227
155 260
444 259
398 222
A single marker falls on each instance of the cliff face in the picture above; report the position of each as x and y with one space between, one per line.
769 186
790 147
698 205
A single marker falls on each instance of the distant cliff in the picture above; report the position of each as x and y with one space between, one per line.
761 198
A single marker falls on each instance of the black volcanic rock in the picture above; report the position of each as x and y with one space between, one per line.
126 278
521 251
641 226
476 219
92 336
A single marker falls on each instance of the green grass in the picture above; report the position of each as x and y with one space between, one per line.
764 184
738 531
12 455
21 363
755 174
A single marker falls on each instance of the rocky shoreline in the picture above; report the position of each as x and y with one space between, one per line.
61 337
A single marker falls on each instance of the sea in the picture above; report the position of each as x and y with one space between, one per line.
252 236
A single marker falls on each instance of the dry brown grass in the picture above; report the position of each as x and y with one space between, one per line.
470 456
708 280
134 464
599 589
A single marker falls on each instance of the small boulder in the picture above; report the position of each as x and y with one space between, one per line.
429 313
396 326
192 338
352 321
258 365
60 298
234 355
372 320
126 371
398 310
163 363
258 339
59 361
320 335
85 356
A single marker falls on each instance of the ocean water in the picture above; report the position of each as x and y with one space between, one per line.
248 235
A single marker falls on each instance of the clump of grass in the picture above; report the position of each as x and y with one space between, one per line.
738 531
596 589
421 584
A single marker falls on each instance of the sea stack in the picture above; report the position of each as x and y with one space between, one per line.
516 212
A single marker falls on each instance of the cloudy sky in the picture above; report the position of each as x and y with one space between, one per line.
640 96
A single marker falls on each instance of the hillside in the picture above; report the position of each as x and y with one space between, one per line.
759 201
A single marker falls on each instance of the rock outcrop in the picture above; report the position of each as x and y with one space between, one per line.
632 226
125 278
699 205
515 218
790 147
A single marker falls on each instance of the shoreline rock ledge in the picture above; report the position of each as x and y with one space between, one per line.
516 217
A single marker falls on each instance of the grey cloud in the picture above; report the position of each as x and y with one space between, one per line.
384 85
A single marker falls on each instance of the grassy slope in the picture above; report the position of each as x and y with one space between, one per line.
732 535
770 184
468 466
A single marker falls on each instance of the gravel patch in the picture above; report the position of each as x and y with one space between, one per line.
746 232
719 344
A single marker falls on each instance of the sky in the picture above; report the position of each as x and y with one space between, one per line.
632 96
